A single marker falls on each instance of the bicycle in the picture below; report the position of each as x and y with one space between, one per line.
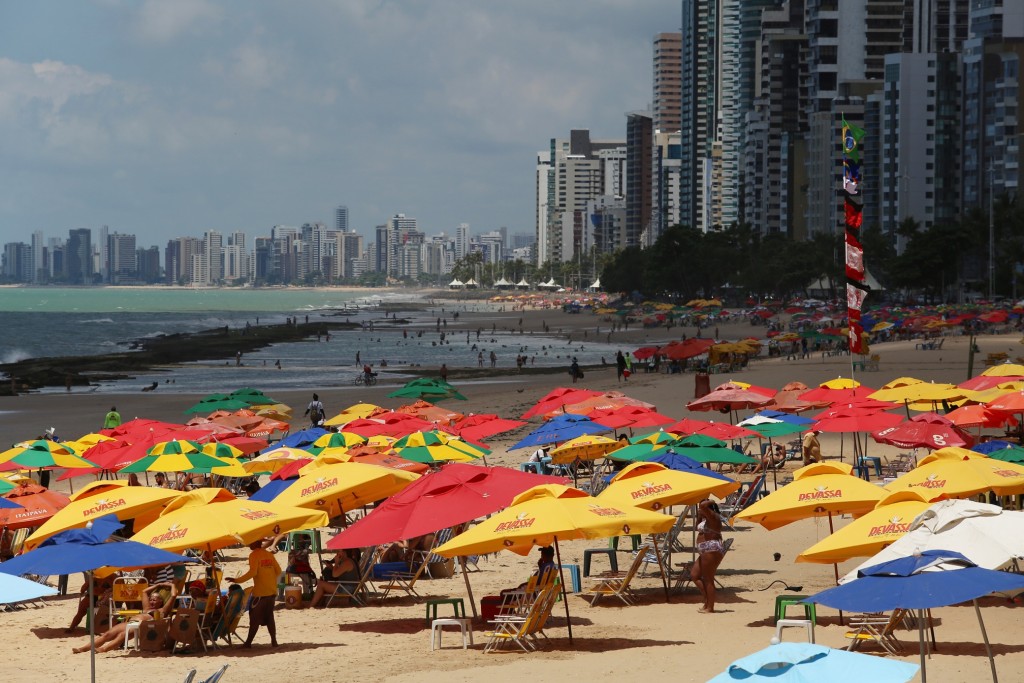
364 379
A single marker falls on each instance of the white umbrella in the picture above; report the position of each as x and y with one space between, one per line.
989 536
17 589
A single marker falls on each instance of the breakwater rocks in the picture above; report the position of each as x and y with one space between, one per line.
146 354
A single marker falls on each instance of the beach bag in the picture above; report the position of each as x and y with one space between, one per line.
626 373
316 413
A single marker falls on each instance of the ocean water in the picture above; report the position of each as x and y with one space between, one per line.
82 321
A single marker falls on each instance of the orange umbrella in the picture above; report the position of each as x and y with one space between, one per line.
38 504
788 399
430 412
729 397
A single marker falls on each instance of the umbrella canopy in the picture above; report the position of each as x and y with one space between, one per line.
176 462
175 447
542 514
704 449
958 473
217 402
987 535
335 439
336 489
717 430
681 463
817 490
558 398
610 400
1001 450
82 550
790 399
868 534
479 427
729 397
860 422
41 454
37 505
435 446
932 578
381 458
806 662
654 486
430 412
561 428
774 430
586 447
428 389
302 438
16 589
926 430
453 495
221 450
633 417
124 502
358 411
221 524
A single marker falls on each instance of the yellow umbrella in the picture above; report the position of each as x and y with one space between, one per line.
817 490
275 411
93 438
866 535
958 473
336 489
222 524
543 514
586 447
272 461
336 439
840 383
126 502
652 486
1005 370
353 412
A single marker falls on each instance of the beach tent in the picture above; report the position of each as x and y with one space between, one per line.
523 284
456 284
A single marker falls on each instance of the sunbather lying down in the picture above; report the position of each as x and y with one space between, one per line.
158 608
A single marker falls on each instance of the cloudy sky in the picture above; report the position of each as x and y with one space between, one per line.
171 117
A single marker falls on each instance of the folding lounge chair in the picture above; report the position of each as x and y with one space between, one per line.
126 597
523 629
236 605
879 628
217 675
742 498
617 585
357 591
684 577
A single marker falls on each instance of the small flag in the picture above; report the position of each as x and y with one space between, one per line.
852 135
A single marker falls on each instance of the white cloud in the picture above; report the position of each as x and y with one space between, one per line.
164 20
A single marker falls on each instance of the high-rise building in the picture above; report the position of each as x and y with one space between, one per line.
78 257
667 81
639 173
341 218
122 259
543 182
698 108
40 272
462 240
403 242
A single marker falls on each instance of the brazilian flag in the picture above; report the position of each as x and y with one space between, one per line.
852 136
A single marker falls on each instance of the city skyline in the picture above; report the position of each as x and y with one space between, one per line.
167 119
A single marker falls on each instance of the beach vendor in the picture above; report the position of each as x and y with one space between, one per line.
263 570
811 447
112 418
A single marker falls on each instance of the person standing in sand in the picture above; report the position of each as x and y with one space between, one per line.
112 419
710 552
263 570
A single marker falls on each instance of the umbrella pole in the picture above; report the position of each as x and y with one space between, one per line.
469 588
92 633
565 597
920 641
984 636
835 566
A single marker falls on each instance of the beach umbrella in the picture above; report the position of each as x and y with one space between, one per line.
248 445
253 397
354 412
729 397
430 412
926 430
428 389
869 533
547 514
301 438
221 450
336 489
654 486
789 399
958 473
214 402
41 454
176 462
704 449
632 417
817 490
976 415
431 447
635 452
1001 450
15 589
773 430
806 662
559 429
932 578
658 437
274 460
476 428
769 416
85 550
381 458
674 461
722 431
175 447
836 394
109 498
609 400
683 350
188 523
558 398
585 447
335 439
37 505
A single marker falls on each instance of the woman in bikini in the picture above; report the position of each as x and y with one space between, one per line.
710 552
156 608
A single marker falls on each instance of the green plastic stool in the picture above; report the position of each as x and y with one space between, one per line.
782 602
613 542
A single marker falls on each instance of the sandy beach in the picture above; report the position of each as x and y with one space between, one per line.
612 642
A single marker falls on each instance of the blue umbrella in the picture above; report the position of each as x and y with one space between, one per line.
932 578
805 662
17 589
272 489
300 439
84 550
989 447
561 428
682 463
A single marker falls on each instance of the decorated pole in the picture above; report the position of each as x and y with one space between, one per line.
856 288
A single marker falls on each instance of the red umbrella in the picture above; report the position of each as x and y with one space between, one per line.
717 430
926 430
479 427
37 505
724 398
247 444
862 407
455 494
629 416
609 400
788 399
824 394
645 352
979 416
138 427
395 426
686 349
986 382
557 398
866 422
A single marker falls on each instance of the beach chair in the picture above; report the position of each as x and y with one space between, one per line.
126 597
618 584
523 628
190 676
236 604
428 557
358 591
684 578
879 628
217 675
899 465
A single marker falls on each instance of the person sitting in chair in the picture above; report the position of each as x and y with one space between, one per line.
157 608
545 564
771 459
298 564
343 569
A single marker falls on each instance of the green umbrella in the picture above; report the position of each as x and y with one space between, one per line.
431 390
704 449
772 430
1014 454
431 447
176 462
635 452
218 402
251 396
